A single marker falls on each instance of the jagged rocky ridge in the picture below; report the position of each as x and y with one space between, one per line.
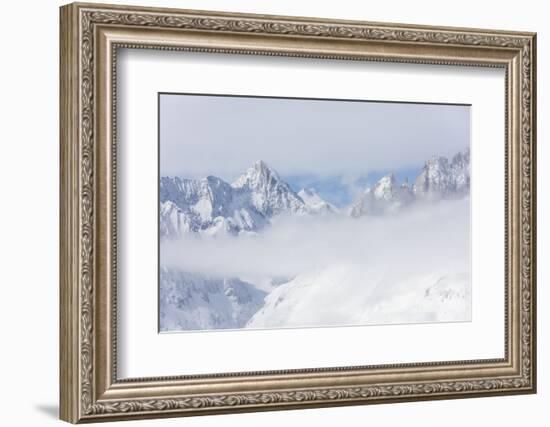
211 205
439 179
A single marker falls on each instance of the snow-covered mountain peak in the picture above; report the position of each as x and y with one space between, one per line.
263 188
257 175
315 203
385 188
389 178
441 178
385 196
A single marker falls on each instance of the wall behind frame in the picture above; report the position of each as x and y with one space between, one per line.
29 175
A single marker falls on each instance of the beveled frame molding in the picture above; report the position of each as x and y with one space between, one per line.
90 36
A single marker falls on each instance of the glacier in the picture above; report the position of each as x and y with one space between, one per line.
256 254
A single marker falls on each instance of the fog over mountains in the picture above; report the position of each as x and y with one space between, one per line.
260 205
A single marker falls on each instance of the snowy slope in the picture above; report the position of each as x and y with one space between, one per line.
194 301
354 295
410 267
261 188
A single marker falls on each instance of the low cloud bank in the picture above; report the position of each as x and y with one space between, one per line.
424 238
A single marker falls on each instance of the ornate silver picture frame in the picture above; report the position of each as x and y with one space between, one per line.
92 38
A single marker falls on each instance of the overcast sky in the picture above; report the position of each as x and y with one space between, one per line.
223 136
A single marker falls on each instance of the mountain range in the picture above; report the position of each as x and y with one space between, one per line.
211 205
440 178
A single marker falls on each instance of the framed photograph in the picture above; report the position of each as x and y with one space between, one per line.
266 212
